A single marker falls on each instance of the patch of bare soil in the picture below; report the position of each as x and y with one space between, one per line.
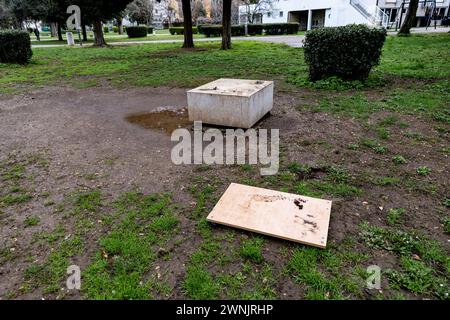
87 143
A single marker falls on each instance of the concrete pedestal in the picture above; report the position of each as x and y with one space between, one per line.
231 102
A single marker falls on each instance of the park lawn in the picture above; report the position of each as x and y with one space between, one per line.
112 38
406 69
384 163
420 56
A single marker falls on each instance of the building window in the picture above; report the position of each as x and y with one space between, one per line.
269 14
281 14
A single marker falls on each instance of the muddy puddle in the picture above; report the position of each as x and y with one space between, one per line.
165 120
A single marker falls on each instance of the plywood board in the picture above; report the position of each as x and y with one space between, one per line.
283 215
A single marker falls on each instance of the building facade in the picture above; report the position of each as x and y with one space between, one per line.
312 14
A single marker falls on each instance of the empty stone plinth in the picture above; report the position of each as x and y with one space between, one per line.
231 102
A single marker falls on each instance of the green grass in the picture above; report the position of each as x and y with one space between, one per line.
51 274
88 200
394 215
111 38
252 279
389 121
251 249
418 278
129 249
423 171
152 65
9 200
15 172
202 193
31 221
446 223
387 181
326 274
424 264
414 135
337 182
199 285
166 64
223 265
383 133
446 202
410 52
399 160
429 100
353 146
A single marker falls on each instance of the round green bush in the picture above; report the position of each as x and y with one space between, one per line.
347 52
137 31
15 46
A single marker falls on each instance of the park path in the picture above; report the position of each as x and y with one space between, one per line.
293 41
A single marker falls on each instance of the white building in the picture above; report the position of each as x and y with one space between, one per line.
330 13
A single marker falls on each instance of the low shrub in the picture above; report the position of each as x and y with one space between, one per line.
15 46
281 28
150 30
180 30
216 30
255 29
105 29
347 52
237 31
115 29
137 31
213 30
210 30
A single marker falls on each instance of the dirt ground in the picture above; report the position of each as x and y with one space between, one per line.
83 141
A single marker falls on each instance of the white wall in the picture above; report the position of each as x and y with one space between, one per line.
338 12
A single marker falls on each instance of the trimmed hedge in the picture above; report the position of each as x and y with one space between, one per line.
137 31
210 30
255 29
236 31
347 52
216 30
15 46
115 29
150 30
281 28
105 29
180 30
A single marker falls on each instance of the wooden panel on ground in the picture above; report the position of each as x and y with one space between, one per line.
283 215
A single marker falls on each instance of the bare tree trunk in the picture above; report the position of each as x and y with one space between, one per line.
53 30
226 25
84 32
99 39
120 25
187 17
58 27
410 17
